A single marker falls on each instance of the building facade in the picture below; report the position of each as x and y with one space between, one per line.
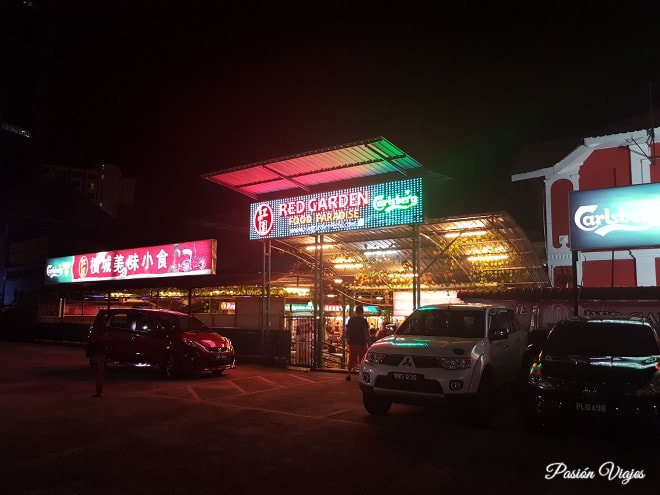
609 161
103 185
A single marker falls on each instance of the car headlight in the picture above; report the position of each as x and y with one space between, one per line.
455 363
648 390
651 388
536 378
374 357
195 345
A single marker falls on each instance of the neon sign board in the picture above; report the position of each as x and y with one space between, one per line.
167 260
619 217
364 207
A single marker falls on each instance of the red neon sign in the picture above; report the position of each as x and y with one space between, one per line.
166 260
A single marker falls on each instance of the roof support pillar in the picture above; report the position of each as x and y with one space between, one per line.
416 292
265 299
576 299
318 302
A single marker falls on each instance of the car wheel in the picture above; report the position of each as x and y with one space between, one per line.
528 360
520 385
484 399
375 405
171 369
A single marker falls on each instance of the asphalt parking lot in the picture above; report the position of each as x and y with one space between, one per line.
263 430
148 434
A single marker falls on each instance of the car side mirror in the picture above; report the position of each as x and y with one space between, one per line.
163 328
498 334
533 349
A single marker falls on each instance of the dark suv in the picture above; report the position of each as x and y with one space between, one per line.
595 368
175 341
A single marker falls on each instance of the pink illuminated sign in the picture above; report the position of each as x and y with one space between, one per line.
166 260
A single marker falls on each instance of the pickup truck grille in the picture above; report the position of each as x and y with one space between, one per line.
417 361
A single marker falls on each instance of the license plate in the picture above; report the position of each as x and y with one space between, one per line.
588 407
411 377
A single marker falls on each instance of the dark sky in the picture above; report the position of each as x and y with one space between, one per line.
171 90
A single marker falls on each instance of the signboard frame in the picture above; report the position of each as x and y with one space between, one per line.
362 207
615 218
165 260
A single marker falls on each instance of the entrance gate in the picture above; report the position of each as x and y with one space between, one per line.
301 329
305 348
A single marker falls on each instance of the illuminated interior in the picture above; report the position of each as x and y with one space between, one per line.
474 251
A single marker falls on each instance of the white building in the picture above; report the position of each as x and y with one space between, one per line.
596 163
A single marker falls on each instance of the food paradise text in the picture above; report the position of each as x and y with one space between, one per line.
330 216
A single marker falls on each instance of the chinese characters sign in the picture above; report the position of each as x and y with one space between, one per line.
620 217
365 207
167 260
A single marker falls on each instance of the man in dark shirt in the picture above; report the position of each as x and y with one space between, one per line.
357 338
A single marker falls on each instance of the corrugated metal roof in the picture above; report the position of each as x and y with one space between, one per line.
539 156
298 174
536 157
382 258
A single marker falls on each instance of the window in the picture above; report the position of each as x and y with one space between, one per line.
145 324
120 320
602 339
503 318
445 323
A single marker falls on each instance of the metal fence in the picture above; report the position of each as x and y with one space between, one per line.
307 350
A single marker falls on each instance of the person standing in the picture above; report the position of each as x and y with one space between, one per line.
357 338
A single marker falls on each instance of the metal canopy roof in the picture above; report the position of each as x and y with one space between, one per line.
468 251
455 252
299 174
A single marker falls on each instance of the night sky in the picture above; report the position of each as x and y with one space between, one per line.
171 90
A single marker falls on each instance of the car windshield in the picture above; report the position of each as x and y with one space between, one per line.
184 323
601 339
444 323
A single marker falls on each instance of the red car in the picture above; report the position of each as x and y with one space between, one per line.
177 342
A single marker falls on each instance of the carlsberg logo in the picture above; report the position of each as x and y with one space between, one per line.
588 219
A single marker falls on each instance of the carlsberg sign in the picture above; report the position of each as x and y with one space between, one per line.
616 218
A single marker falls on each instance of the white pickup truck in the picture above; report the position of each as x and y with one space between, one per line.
447 352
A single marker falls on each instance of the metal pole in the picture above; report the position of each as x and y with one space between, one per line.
416 268
269 258
265 299
100 373
318 302
575 280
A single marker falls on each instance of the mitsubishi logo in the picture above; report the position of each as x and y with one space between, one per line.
407 361
589 391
